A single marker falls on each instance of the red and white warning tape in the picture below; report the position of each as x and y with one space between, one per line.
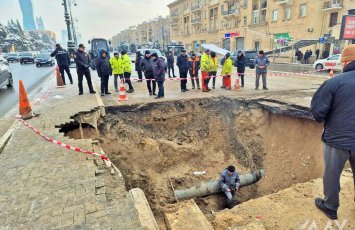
67 146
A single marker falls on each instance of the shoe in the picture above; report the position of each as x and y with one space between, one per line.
93 92
242 85
199 88
130 91
170 77
265 88
102 94
183 91
331 214
150 93
193 88
154 94
223 87
187 90
175 76
213 87
256 88
107 93
71 82
208 90
157 97
80 93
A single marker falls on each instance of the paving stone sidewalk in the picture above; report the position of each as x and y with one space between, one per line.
45 186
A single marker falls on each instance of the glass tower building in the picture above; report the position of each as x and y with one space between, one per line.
27 15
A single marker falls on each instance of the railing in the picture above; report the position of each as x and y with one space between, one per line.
231 12
196 21
332 4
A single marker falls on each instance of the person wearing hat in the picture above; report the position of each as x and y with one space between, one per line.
63 61
261 63
104 70
127 70
227 69
194 67
213 69
183 65
240 63
205 68
117 70
333 104
82 61
230 183
137 65
170 61
147 67
159 73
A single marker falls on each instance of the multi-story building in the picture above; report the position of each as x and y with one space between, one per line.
39 22
257 24
145 33
27 15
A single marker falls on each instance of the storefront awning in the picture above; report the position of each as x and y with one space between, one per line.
215 48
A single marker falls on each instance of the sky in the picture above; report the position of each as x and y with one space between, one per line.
96 18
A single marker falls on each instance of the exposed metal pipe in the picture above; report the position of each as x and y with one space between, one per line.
213 187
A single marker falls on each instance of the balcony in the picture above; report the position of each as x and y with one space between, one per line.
174 14
214 2
286 2
196 8
196 21
231 13
333 5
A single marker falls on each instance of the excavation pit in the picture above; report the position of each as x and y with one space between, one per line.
158 146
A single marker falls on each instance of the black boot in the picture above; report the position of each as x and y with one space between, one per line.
331 214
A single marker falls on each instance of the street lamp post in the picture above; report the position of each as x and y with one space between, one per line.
71 45
72 23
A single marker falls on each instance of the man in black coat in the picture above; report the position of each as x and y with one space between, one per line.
82 61
171 61
103 68
63 61
137 65
240 63
183 64
333 104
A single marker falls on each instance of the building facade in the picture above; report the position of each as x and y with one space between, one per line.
257 24
39 22
27 15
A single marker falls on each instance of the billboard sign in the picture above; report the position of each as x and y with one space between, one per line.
347 31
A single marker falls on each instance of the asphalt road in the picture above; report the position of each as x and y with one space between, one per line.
32 78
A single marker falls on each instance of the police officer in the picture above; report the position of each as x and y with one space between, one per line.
63 61
82 61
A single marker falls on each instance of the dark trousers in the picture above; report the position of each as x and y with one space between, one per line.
334 162
183 80
87 75
104 83
140 75
194 77
213 75
127 79
172 70
241 75
67 70
151 85
161 88
258 79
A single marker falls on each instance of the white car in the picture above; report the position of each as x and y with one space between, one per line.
332 62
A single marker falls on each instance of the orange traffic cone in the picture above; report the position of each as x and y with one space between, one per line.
60 83
24 104
237 84
331 73
122 94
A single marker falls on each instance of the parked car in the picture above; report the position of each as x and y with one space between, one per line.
26 57
44 59
142 51
250 56
12 57
5 76
332 62
3 60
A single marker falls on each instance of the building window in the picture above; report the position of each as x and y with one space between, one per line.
287 13
245 21
205 14
255 16
274 15
333 19
257 46
303 10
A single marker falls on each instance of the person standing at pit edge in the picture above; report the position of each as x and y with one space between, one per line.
194 67
261 63
147 66
82 61
171 61
213 69
103 68
227 72
230 183
183 65
240 64
116 66
159 74
137 65
127 70
63 61
205 69
333 104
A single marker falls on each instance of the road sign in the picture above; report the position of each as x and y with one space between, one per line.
321 40
227 35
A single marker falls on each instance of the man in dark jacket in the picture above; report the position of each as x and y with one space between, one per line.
261 63
82 61
159 74
230 183
307 55
333 104
194 68
103 68
147 66
183 65
137 65
240 63
171 61
63 61
317 54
